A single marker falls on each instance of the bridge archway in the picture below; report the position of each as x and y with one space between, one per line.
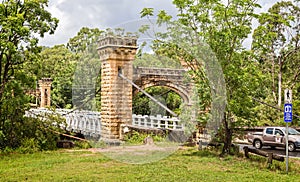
182 92
174 79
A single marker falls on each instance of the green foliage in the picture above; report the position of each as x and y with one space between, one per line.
146 12
138 138
21 23
276 44
223 27
59 64
31 135
28 145
85 41
72 68
135 138
82 144
87 76
143 105
14 102
156 61
163 17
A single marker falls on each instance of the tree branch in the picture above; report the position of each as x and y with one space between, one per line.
269 105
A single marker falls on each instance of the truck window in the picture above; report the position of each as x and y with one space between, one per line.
279 132
269 131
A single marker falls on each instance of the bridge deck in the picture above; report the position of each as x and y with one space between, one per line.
89 122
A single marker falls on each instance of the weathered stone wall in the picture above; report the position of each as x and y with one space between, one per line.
116 55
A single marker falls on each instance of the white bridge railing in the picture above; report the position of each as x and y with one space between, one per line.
85 122
89 122
156 122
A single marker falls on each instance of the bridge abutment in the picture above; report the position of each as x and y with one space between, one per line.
116 55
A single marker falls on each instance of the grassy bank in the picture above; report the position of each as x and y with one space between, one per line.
183 165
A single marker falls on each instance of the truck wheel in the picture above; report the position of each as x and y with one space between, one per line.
257 144
291 147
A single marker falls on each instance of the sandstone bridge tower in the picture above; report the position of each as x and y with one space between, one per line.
45 92
116 55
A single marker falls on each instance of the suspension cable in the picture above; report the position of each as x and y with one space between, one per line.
148 95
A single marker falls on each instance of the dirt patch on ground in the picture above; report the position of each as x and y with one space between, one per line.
137 154
133 154
297 161
136 149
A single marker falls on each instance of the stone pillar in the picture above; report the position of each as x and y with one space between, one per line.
116 54
45 92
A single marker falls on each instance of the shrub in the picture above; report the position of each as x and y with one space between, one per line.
32 134
29 145
82 144
138 138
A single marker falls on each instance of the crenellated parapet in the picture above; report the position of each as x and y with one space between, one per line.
117 47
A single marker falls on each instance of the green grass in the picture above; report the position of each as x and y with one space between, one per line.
183 165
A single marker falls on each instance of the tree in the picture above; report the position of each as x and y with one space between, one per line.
86 82
155 61
276 41
20 21
86 40
20 24
58 63
223 27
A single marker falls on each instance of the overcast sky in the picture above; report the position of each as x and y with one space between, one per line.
102 14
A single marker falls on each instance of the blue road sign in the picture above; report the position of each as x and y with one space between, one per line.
288 112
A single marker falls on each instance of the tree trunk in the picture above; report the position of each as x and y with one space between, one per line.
228 135
279 88
279 82
273 80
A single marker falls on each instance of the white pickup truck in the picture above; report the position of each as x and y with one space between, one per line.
275 137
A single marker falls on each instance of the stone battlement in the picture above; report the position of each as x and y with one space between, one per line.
117 41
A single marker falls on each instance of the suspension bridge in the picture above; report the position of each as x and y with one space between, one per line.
88 123
119 82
